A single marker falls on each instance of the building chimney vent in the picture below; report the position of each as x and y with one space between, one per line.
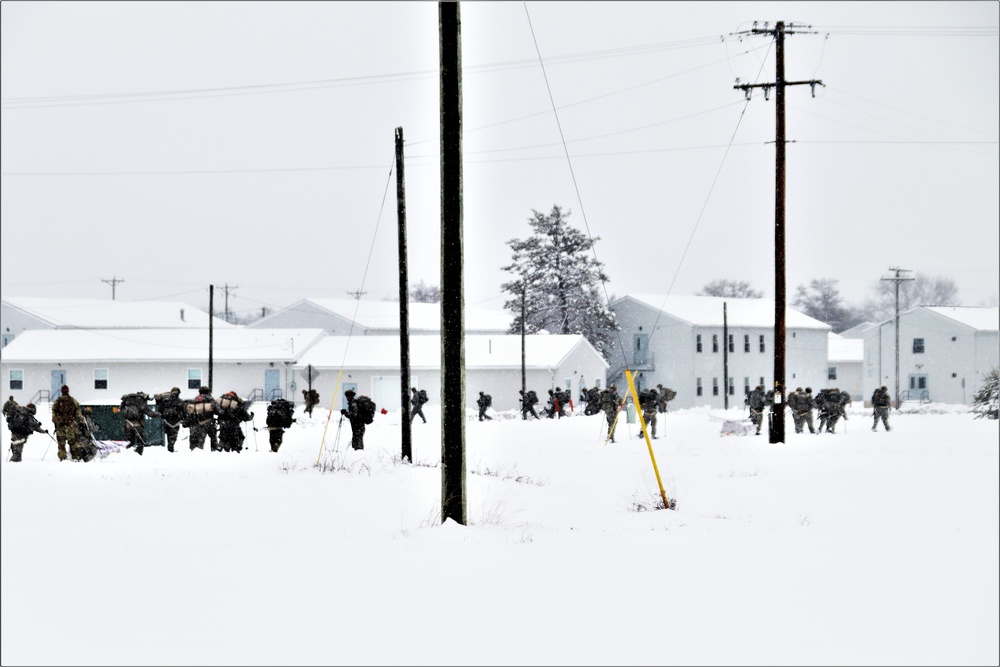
182 315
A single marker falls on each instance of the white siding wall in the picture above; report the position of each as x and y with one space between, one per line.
953 368
679 365
152 378
849 378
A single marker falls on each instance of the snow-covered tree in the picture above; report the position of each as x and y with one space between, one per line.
560 281
986 402
821 300
422 293
733 289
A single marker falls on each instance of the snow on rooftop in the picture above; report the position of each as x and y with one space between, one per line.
845 349
979 318
101 314
481 351
707 311
420 316
72 345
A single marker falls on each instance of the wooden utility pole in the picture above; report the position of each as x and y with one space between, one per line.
225 290
453 491
524 356
211 331
777 428
896 280
404 307
114 281
725 357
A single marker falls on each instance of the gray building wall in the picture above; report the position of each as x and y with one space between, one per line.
951 367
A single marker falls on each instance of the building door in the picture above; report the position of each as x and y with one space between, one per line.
386 392
58 380
272 384
639 349
918 387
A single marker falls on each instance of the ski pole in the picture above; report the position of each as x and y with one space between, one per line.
336 439
48 445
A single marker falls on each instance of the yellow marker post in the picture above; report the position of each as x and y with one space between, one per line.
333 401
649 443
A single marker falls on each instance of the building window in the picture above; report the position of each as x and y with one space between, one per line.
100 378
715 386
732 386
698 389
746 386
715 342
7 338
697 343
16 380
597 382
918 346
731 342
194 378
831 373
746 343
762 342
762 380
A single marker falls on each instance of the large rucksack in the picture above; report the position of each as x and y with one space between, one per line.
170 408
279 413
63 411
20 420
133 406
487 400
422 395
531 397
366 409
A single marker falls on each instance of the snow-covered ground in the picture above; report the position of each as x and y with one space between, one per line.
857 548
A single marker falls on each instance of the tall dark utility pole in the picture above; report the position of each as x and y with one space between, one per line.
453 491
524 355
896 280
404 306
211 331
777 427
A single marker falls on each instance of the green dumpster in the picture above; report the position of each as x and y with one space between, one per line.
109 425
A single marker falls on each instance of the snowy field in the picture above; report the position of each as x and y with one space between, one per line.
857 548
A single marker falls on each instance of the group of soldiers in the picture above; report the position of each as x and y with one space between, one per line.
608 401
205 417
830 405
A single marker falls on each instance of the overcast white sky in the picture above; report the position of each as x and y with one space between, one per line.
180 144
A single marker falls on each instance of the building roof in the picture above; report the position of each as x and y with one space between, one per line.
845 349
101 314
481 351
979 318
384 315
158 345
707 311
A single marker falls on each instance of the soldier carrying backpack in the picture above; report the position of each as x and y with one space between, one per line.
172 408
22 423
485 401
279 417
233 411
417 400
528 402
134 409
358 415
